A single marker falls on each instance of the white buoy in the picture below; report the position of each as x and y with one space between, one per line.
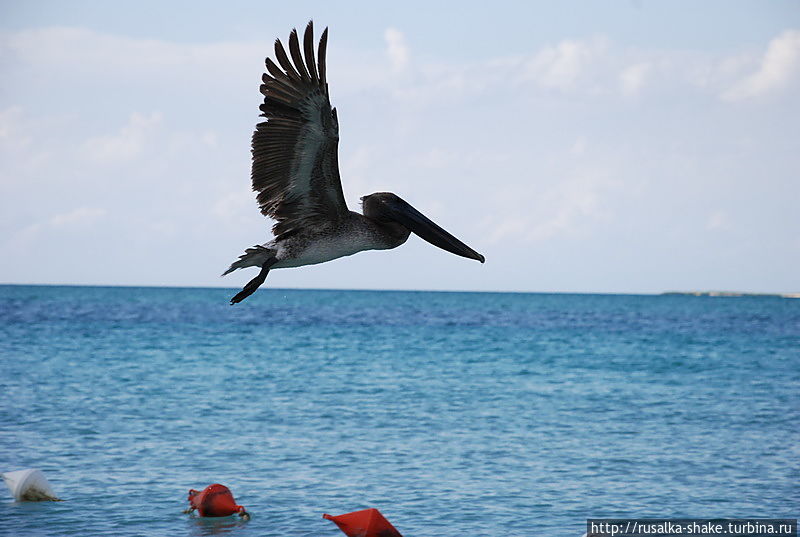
29 486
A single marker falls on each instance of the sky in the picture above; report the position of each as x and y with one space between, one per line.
611 147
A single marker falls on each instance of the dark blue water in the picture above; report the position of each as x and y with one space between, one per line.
453 413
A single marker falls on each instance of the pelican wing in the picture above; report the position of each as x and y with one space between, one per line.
295 163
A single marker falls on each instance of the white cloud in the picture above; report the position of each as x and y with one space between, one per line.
13 135
396 49
85 51
633 78
78 218
562 66
571 205
357 173
442 159
567 207
718 221
235 208
127 143
579 147
574 65
778 67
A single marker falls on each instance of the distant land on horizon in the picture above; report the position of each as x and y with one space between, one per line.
729 294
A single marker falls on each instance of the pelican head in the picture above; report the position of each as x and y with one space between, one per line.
388 208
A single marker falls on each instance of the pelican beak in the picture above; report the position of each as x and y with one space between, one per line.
402 212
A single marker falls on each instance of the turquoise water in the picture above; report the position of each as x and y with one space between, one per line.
453 413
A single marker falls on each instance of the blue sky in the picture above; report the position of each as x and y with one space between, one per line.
581 146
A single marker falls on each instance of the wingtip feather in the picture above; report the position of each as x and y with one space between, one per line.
283 60
308 47
294 50
323 47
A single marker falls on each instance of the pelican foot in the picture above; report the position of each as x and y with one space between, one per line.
253 284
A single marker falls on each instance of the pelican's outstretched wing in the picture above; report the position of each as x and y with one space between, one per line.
295 164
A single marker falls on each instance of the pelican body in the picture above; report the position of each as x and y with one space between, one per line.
296 176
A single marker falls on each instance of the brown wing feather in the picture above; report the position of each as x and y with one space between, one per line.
323 46
308 47
295 163
294 49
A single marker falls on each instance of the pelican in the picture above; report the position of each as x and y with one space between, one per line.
296 176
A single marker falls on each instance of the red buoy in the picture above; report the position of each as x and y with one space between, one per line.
366 523
214 501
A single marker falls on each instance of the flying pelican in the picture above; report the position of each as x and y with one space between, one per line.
296 175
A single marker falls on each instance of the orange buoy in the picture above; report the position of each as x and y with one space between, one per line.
366 523
214 501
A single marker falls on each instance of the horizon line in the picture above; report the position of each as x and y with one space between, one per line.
711 293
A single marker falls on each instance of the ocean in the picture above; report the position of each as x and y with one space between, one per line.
455 414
